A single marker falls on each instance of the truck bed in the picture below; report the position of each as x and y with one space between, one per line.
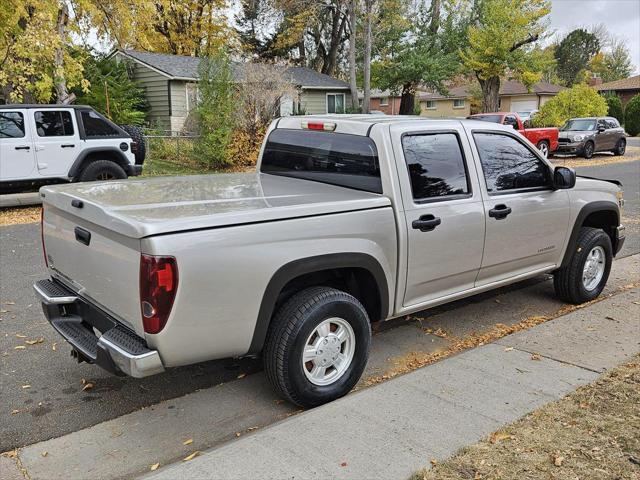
146 207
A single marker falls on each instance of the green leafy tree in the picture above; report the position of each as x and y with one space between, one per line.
577 101
574 53
112 92
632 116
501 42
613 64
215 110
614 106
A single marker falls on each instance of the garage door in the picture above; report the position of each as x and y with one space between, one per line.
524 105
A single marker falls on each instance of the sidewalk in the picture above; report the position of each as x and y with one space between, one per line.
396 428
19 199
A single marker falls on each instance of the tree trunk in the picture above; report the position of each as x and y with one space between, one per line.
490 94
352 56
435 17
407 100
366 101
59 79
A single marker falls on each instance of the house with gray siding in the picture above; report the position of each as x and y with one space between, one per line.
170 82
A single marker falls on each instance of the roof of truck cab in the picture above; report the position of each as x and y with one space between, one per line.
14 106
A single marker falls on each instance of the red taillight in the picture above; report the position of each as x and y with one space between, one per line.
44 250
158 285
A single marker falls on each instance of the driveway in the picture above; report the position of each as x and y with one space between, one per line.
43 394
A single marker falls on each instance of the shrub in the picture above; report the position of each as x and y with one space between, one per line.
577 101
632 116
615 107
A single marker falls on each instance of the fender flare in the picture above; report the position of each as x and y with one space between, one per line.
303 266
79 163
585 211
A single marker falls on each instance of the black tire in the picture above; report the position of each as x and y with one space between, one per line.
543 146
140 147
587 151
102 170
290 328
567 280
621 147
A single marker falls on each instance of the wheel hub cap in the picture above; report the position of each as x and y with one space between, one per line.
593 269
328 351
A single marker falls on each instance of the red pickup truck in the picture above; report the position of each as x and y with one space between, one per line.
546 139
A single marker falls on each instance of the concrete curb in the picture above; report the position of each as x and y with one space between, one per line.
20 199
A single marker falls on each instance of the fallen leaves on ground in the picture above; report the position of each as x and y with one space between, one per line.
536 356
191 457
45 453
19 215
34 342
19 347
10 454
497 437
242 375
154 467
188 442
26 386
88 385
632 154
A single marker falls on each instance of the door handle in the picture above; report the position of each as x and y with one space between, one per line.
82 235
23 147
67 145
500 211
426 223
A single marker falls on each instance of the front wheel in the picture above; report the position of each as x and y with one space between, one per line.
543 146
587 152
317 346
587 271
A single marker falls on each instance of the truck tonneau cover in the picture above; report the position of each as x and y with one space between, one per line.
152 206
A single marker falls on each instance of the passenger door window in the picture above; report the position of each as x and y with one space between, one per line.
54 123
436 166
11 125
510 165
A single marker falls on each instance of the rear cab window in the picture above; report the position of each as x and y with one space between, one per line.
11 125
335 158
96 126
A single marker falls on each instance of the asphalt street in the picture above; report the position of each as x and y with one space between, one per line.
42 394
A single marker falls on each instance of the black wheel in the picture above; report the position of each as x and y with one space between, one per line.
139 147
102 170
586 274
317 346
543 146
587 151
621 147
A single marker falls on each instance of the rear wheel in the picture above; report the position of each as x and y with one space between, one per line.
102 170
317 346
140 148
587 271
543 146
587 151
621 147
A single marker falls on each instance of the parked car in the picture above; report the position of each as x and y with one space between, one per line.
586 136
526 116
294 261
545 139
42 144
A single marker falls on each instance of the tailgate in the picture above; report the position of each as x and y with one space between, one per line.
102 266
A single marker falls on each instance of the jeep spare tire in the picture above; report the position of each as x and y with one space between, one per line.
102 170
139 149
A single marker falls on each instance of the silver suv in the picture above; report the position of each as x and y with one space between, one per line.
348 220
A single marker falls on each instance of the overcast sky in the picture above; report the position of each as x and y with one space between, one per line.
622 18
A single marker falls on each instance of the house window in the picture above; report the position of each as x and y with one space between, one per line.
384 101
335 102
458 103
431 104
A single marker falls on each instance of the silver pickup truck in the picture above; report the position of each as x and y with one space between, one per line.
348 220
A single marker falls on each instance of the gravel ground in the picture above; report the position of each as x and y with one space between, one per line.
578 437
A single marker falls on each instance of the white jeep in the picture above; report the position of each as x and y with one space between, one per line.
42 144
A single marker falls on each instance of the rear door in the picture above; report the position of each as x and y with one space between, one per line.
527 220
443 209
17 160
56 139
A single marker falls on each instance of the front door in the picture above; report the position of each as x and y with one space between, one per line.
443 211
56 140
17 159
527 220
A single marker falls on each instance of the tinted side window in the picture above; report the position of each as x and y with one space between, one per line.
96 126
436 165
613 123
508 164
53 123
335 158
11 125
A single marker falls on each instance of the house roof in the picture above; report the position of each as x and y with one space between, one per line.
631 83
507 87
180 67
